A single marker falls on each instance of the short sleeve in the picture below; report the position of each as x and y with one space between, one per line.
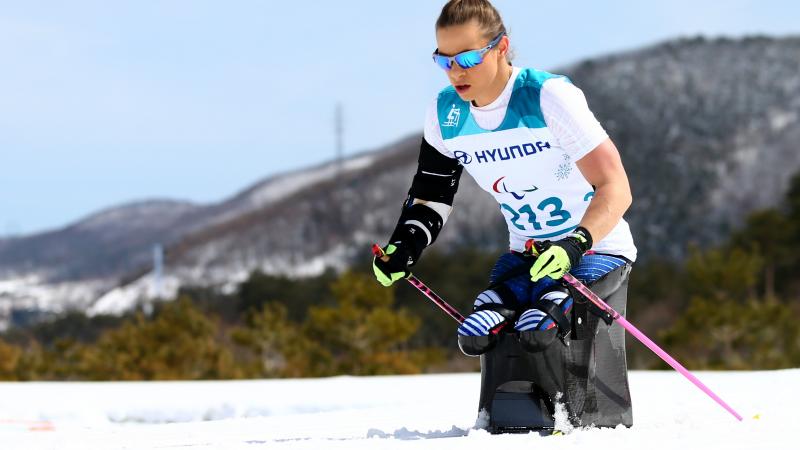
568 117
432 132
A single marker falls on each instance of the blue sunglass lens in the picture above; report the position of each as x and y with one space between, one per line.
465 60
469 59
442 61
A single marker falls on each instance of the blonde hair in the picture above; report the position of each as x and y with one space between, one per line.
459 12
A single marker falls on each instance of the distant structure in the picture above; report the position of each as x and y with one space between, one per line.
158 270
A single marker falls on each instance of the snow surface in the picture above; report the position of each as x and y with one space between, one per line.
287 184
407 412
32 292
124 298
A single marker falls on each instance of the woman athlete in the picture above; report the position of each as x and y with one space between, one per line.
529 139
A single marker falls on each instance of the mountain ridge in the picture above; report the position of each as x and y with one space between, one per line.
707 130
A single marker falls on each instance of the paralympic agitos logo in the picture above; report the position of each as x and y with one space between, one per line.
501 154
499 183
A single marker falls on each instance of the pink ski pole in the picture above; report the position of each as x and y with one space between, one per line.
428 292
646 341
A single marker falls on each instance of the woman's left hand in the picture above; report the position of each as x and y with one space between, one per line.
562 255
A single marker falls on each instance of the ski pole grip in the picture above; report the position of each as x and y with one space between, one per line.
529 246
379 253
534 248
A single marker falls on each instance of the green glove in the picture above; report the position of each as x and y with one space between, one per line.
387 272
561 256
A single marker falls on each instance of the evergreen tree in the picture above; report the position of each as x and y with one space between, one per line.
770 233
178 343
361 334
277 346
9 359
65 360
725 334
726 325
296 295
793 201
789 275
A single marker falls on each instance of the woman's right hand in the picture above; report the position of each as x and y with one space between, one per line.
392 265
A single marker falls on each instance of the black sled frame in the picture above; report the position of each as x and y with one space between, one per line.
586 376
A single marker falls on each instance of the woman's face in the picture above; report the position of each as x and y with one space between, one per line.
478 82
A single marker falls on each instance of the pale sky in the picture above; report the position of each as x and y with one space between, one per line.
106 102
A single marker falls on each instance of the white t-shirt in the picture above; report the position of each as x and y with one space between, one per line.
525 155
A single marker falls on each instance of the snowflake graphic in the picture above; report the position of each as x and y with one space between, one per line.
564 169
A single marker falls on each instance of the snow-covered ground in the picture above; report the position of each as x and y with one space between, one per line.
407 412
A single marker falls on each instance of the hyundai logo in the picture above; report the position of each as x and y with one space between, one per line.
463 157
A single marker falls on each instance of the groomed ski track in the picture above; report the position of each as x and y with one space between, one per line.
406 412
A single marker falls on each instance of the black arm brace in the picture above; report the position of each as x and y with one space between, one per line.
437 176
436 180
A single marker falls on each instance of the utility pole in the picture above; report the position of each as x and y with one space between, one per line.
339 128
338 186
